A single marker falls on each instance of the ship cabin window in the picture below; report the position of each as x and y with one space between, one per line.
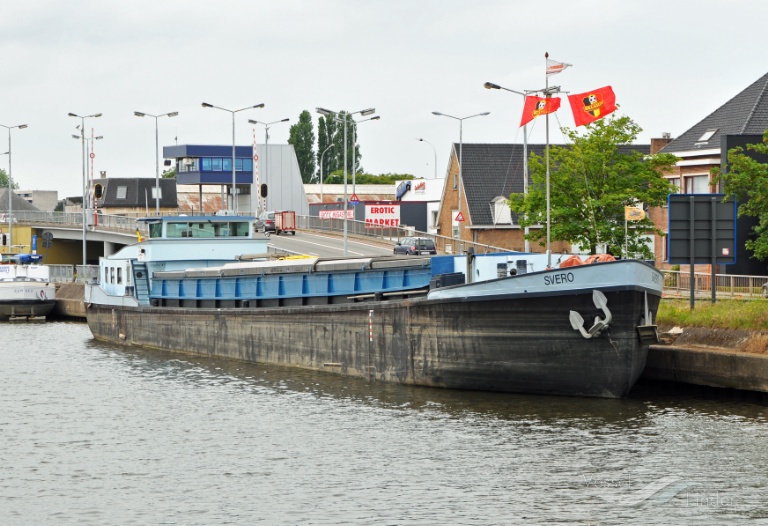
239 229
155 230
119 276
174 230
111 274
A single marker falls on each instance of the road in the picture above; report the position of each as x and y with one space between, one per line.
323 245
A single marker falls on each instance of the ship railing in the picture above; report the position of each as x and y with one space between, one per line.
62 273
677 284
87 273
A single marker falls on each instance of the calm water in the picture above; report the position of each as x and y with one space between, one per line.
97 434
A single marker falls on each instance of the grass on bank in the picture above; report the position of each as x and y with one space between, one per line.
725 314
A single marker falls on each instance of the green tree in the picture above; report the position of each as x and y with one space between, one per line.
302 137
326 130
746 182
170 173
590 184
4 180
331 132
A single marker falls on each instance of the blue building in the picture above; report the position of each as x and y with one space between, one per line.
277 167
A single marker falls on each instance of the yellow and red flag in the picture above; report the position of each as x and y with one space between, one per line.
592 105
535 106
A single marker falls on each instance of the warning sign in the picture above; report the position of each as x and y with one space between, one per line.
354 200
459 217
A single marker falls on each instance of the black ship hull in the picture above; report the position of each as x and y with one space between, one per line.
522 342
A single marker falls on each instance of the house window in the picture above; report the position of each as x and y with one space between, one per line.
501 212
227 164
247 165
122 192
675 181
697 184
239 165
216 163
206 164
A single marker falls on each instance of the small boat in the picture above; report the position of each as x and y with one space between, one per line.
26 290
496 322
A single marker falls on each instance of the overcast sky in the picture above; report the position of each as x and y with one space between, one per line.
670 63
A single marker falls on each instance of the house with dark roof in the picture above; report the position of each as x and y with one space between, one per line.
122 195
490 173
740 121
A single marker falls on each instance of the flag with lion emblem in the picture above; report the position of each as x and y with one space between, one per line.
592 105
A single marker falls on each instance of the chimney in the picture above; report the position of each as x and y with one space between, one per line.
658 144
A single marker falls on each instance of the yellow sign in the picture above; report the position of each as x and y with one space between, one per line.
633 214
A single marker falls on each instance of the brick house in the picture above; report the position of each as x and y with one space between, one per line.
491 172
740 121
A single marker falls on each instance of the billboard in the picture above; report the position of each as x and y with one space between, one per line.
382 216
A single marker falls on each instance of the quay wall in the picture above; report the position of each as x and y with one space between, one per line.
69 301
726 358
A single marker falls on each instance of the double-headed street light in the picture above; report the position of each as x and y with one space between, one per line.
328 113
234 181
461 144
157 154
10 185
491 85
266 155
85 181
434 150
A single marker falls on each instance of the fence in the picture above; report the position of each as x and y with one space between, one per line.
443 244
678 284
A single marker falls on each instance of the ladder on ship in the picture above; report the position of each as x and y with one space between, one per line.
141 279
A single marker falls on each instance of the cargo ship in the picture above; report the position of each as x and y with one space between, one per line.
206 286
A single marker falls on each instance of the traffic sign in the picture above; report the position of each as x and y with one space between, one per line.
459 217
354 200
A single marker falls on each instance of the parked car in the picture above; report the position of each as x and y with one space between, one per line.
4 218
265 222
415 246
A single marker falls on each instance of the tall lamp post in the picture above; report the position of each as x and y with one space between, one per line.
354 149
10 185
491 85
328 113
157 154
434 150
234 181
461 147
85 181
89 148
321 172
266 151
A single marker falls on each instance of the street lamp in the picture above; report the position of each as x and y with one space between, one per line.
434 150
491 85
234 181
354 151
328 113
461 147
321 171
157 154
89 166
85 181
266 154
10 185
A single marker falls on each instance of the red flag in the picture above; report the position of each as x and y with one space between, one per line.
592 105
535 106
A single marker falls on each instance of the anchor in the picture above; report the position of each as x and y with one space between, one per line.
600 324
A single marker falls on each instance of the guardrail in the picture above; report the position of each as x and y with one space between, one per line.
678 284
443 244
